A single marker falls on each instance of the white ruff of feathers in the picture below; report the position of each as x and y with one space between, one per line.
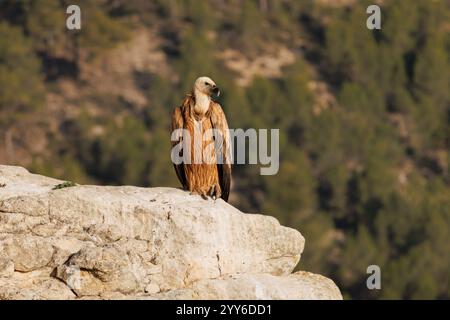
202 102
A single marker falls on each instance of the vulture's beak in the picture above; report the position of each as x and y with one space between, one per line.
216 90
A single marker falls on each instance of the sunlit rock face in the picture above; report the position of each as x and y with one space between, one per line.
94 242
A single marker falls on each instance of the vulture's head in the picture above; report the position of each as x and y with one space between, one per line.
207 86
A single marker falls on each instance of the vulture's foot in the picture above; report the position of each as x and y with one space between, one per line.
214 192
204 196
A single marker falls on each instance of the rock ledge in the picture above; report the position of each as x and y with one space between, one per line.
92 242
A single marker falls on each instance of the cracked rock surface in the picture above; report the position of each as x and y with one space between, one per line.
92 242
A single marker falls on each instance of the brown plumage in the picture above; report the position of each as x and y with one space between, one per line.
204 178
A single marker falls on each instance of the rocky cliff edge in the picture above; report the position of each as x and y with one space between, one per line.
59 241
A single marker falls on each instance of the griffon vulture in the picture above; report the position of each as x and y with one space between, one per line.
204 121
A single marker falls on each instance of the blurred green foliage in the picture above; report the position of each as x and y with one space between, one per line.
364 181
21 88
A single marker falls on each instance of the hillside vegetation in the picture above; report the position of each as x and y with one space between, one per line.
364 116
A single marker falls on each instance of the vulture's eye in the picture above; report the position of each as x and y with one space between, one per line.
207 83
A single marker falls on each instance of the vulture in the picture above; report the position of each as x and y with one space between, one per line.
206 166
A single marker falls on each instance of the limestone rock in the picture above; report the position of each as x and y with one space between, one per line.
130 242
35 285
6 266
300 285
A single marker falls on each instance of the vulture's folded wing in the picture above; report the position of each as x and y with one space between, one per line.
178 123
223 148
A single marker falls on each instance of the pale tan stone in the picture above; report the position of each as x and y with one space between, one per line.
129 242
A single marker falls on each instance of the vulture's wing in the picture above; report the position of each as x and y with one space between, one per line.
177 123
219 122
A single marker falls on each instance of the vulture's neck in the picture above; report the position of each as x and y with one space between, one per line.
202 102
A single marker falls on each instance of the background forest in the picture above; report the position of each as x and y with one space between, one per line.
364 116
